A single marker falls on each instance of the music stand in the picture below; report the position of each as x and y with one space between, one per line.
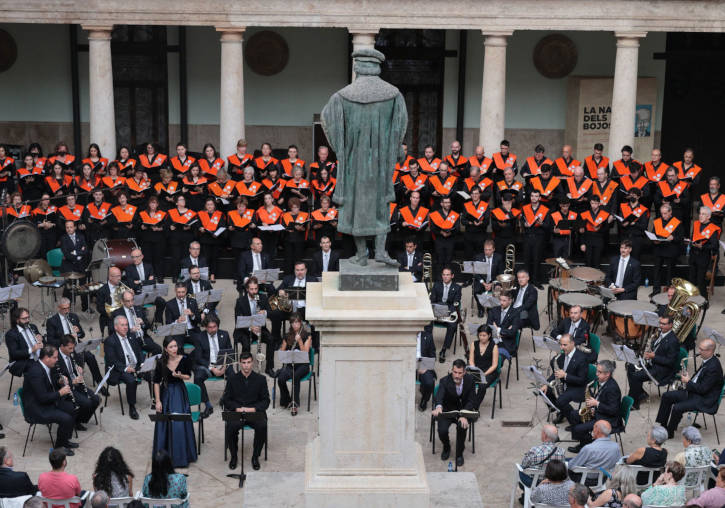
471 416
233 416
174 328
293 357
267 275
170 418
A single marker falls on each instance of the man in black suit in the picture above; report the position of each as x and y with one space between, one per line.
207 346
701 393
45 401
578 329
525 300
252 303
571 369
426 349
411 260
325 259
104 296
124 355
67 323
298 280
85 399
251 260
446 292
661 361
137 322
23 342
194 285
455 393
182 309
507 320
605 403
13 483
496 266
623 275
75 253
246 392
138 274
193 259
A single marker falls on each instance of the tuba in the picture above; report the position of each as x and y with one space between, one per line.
428 271
586 413
684 314
117 298
506 279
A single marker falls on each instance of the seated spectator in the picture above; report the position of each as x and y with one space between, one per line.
99 499
714 497
57 484
665 491
554 489
163 482
603 452
578 496
13 483
632 501
112 475
695 454
33 502
538 456
621 484
653 455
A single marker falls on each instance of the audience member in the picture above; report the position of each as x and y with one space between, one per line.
99 499
578 496
714 497
600 453
621 484
695 454
538 456
665 491
653 455
57 484
112 475
554 489
632 501
13 483
163 482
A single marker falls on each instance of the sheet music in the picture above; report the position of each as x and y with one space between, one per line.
607 293
149 364
654 237
249 321
646 318
440 311
547 343
174 328
88 345
620 219
464 195
140 299
475 267
547 401
535 375
487 300
5 294
425 363
624 354
104 380
219 231
478 375
266 275
646 371
713 334
16 291
273 227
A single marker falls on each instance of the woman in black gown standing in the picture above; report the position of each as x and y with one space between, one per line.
484 355
172 370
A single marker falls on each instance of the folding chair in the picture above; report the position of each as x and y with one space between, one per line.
595 343
165 503
65 503
695 480
534 473
194 393
587 474
515 354
31 424
625 408
641 487
714 421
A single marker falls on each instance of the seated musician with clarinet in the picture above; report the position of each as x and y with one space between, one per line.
249 303
699 392
568 377
207 347
182 309
84 399
123 354
447 292
661 356
456 392
578 329
601 405
23 341
496 265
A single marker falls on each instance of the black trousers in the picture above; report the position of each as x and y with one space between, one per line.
561 247
130 381
533 251
443 424
481 392
150 346
636 379
293 251
593 254
87 404
450 333
427 384
563 401
84 298
472 244
285 374
581 431
244 338
155 252
260 435
89 359
444 250
62 414
663 271
201 374
211 252
672 407
699 265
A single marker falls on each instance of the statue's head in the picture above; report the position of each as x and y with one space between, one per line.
366 61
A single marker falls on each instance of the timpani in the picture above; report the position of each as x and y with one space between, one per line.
560 286
621 321
591 305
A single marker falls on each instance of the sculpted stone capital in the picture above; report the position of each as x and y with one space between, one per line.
629 39
231 33
496 37
98 32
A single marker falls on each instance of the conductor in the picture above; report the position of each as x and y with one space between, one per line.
455 393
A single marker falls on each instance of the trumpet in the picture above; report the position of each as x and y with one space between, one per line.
586 413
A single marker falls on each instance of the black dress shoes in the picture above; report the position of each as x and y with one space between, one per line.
132 412
255 463
233 462
69 452
459 461
422 406
575 449
81 427
442 356
270 372
71 444
104 391
480 313
446 452
207 412
559 419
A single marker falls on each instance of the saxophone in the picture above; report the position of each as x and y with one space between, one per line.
557 385
586 413
260 356
428 271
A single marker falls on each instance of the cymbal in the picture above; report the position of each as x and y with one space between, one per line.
553 262
72 275
47 279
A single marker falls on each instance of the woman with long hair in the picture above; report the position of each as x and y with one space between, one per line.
123 217
152 235
620 485
57 183
112 474
210 163
97 162
152 161
125 162
484 355
297 338
163 482
172 371
194 187
180 232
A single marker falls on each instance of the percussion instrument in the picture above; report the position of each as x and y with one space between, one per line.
660 299
587 274
559 286
591 306
621 321
557 265
21 241
47 280
72 275
35 270
107 253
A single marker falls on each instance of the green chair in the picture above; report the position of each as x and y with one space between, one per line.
591 373
497 383
682 356
55 259
714 421
31 424
595 343
514 354
194 393
625 408
311 379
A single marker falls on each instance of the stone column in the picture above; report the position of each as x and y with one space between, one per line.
624 93
231 113
361 39
493 90
100 84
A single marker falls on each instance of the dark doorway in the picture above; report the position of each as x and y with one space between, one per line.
140 85
694 99
414 62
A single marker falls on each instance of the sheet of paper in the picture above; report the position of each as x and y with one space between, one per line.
273 227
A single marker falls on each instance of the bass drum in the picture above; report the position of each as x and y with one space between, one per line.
21 241
107 253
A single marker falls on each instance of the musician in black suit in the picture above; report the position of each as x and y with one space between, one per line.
325 259
137 322
578 329
701 393
446 292
525 299
13 483
246 392
85 399
75 253
138 274
508 322
207 345
105 296
661 361
623 275
411 260
194 285
251 260
124 355
248 304
182 309
455 393
496 266
66 322
605 403
426 349
45 401
571 369
193 259
23 342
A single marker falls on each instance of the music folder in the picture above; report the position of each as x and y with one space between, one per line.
713 334
174 328
141 299
646 318
606 293
249 321
266 275
646 371
104 381
487 300
294 356
88 345
566 224
208 296
475 267
478 375
535 375
440 311
547 400
149 364
547 343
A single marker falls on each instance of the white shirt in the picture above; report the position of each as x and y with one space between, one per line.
620 271
139 269
568 358
411 255
194 261
252 306
67 330
256 261
459 388
574 326
503 314
694 379
128 351
47 372
213 347
27 334
299 283
196 286
325 260
489 260
131 316
182 308
520 297
68 363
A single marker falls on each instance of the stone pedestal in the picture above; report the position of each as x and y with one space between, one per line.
366 454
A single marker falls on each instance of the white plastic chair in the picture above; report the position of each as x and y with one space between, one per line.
587 474
13 502
118 502
65 503
641 487
534 474
162 503
695 480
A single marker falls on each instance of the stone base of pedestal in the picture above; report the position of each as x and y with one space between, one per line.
286 490
331 488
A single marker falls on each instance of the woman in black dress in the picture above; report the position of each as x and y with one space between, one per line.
177 438
297 338
652 455
484 355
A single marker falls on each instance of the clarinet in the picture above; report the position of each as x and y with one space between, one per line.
74 375
63 381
